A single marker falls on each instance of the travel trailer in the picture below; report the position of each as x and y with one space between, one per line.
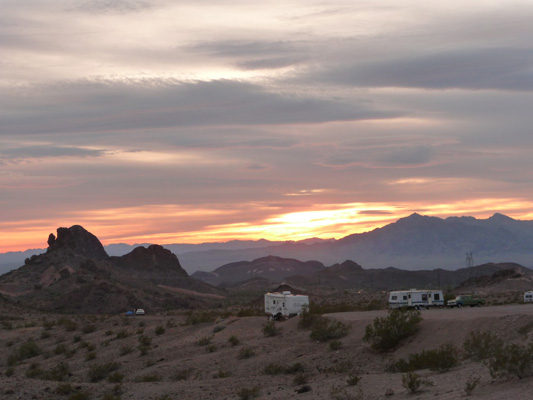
528 296
280 305
414 298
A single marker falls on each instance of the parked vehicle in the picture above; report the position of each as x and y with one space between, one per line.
129 313
528 296
465 300
285 304
416 298
139 311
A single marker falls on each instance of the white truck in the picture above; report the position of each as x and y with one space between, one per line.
415 298
280 305
528 296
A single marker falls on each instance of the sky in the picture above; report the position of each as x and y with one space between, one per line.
156 121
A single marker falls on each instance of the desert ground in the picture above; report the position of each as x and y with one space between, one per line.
172 356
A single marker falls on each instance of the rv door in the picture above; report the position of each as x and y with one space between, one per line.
409 300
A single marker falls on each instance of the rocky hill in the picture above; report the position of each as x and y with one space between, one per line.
271 268
75 274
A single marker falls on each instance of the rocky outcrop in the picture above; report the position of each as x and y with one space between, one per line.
154 259
78 240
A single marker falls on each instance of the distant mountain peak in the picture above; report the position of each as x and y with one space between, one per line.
500 217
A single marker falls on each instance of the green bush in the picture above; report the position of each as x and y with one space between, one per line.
324 329
274 369
441 359
248 393
335 345
386 333
413 382
25 351
101 371
307 320
271 329
234 340
480 346
204 341
58 373
246 352
511 359
159 330
222 374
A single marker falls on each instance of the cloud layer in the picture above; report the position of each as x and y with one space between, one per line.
202 121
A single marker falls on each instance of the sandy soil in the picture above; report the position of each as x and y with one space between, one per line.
176 366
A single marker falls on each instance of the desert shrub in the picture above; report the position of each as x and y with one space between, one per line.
115 377
80 395
108 332
90 355
295 368
274 369
148 378
511 359
58 373
234 340
413 382
125 349
48 325
386 333
122 334
101 371
246 352
222 374
182 374
45 335
480 346
471 384
353 379
441 359
271 329
218 328
525 329
340 393
65 350
340 367
277 369
248 393
204 341
144 344
160 330
301 379
211 348
68 324
306 319
10 371
335 344
325 329
25 351
64 389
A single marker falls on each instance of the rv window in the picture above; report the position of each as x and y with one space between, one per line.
409 295
405 297
424 297
394 297
283 304
274 301
436 296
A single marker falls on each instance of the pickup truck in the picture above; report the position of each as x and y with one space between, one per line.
465 300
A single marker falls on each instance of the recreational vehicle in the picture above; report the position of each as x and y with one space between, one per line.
528 296
414 298
285 304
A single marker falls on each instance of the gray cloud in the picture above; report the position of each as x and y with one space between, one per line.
106 106
471 68
48 151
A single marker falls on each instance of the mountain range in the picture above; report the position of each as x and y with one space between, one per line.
415 242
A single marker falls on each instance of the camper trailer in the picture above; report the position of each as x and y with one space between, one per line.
414 298
285 304
528 296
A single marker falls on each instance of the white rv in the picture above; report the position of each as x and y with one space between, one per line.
414 298
285 304
528 296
